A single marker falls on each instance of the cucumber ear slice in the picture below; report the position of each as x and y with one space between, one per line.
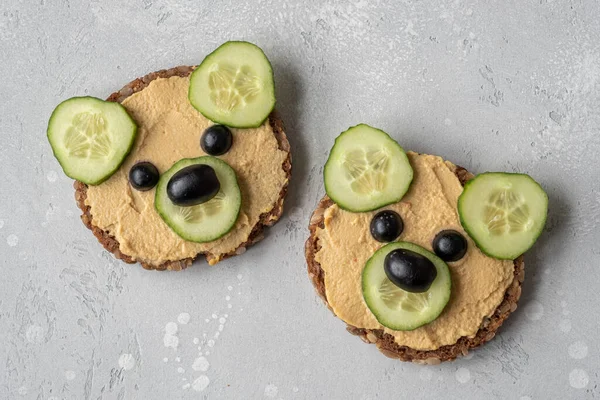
504 213
90 138
234 86
366 170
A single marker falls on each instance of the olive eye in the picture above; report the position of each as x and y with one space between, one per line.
386 226
216 140
143 176
450 245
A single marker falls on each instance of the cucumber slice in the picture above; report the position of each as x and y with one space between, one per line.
504 213
207 221
398 309
90 138
234 86
366 170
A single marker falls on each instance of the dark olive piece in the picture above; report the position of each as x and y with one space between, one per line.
143 176
386 226
193 185
216 140
449 245
409 270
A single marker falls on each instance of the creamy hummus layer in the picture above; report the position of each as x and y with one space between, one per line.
169 129
478 281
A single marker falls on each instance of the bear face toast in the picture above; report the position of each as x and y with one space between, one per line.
406 274
187 186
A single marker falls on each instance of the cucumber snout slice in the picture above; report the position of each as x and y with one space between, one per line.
399 309
504 213
207 221
366 170
234 86
90 138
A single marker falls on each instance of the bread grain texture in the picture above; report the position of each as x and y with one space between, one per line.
265 220
385 342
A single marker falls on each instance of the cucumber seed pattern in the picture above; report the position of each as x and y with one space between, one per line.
196 214
506 212
88 136
231 87
398 299
367 170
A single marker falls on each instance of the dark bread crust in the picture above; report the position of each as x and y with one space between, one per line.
266 219
384 341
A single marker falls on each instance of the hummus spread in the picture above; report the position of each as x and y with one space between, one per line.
169 129
478 281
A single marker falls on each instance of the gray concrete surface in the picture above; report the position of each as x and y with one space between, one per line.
509 86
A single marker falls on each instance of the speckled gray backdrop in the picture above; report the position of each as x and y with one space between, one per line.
507 85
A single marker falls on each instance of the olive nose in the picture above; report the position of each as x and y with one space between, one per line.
193 185
409 270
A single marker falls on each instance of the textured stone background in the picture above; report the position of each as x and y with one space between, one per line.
511 85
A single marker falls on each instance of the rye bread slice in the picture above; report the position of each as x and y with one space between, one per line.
266 219
384 341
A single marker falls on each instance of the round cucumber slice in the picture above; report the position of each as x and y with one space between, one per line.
234 86
90 138
207 221
398 309
504 213
366 170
